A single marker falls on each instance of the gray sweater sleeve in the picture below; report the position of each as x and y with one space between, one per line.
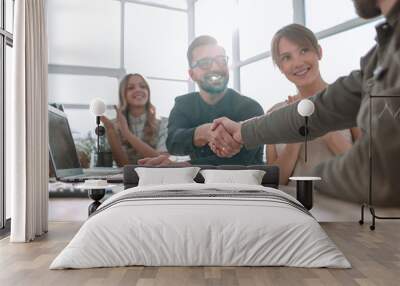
344 177
335 109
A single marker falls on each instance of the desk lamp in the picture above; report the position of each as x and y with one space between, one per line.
98 108
305 108
304 185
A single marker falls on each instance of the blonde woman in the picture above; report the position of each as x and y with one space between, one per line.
136 132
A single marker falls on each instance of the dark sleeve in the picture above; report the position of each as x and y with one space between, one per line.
348 176
336 108
249 110
180 132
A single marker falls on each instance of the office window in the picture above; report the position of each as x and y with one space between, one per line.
264 82
258 22
9 15
182 4
341 53
217 19
78 89
321 15
6 16
81 122
84 33
155 41
163 95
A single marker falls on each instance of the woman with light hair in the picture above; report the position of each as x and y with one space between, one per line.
296 52
136 132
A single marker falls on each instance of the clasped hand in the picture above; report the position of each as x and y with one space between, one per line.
225 138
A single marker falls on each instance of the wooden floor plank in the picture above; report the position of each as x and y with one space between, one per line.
375 258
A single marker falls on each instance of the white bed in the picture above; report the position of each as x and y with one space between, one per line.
206 230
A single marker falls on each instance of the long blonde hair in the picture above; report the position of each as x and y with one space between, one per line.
151 127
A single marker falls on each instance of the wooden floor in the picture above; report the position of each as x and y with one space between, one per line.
375 257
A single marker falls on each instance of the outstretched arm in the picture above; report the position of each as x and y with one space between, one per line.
336 108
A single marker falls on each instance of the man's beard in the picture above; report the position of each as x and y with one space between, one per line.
367 9
214 83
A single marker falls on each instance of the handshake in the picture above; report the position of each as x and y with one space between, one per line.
224 137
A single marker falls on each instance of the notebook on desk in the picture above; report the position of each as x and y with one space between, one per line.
63 155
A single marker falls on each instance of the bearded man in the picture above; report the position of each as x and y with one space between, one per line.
189 125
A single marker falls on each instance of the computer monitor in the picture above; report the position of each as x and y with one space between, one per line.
62 146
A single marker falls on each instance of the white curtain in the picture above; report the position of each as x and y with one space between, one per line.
27 127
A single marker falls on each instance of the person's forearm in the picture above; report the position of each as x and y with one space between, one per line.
336 108
180 141
286 162
141 147
116 148
337 143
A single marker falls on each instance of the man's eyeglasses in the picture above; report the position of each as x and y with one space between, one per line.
206 63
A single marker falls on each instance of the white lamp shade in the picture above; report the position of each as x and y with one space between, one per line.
305 107
97 107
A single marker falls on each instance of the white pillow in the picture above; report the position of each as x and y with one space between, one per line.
166 176
248 177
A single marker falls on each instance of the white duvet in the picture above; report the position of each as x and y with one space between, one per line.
200 231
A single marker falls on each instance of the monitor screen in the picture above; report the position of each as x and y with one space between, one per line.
61 143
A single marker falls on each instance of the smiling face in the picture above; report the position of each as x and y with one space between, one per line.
299 63
137 91
210 69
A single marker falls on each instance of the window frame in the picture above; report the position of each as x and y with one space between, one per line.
6 39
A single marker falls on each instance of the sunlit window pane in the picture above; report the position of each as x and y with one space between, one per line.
1 16
217 19
76 89
85 33
155 41
81 122
341 53
258 22
163 95
321 15
9 15
182 4
263 82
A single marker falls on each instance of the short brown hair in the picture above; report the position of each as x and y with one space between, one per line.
297 34
197 42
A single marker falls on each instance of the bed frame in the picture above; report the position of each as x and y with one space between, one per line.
131 178
270 179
